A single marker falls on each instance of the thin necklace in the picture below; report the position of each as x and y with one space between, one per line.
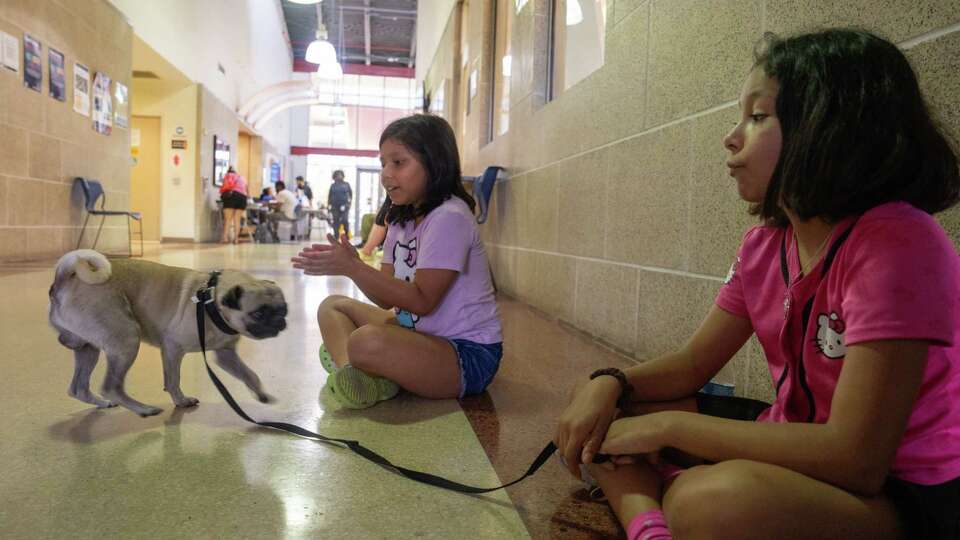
816 253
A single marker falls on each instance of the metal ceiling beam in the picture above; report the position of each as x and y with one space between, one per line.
413 44
366 29
376 10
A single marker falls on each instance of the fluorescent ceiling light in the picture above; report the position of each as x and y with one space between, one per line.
305 1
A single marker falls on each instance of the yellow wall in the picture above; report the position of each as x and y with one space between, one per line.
177 108
146 174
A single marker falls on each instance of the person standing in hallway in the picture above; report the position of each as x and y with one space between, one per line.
233 195
853 291
435 330
338 201
305 197
304 188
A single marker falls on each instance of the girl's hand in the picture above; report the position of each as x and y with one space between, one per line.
335 259
584 422
637 435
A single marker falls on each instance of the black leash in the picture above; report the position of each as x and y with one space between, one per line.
205 302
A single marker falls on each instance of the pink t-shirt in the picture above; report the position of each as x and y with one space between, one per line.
447 238
233 182
895 276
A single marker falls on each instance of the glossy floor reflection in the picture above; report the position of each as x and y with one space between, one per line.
71 471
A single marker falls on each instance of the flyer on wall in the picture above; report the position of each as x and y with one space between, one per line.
122 112
102 105
32 64
81 89
11 51
58 82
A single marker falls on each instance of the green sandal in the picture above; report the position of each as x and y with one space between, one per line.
326 360
355 389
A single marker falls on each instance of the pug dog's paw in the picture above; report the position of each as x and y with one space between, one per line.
187 401
263 397
148 411
87 396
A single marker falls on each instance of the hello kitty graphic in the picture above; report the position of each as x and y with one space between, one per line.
405 268
830 330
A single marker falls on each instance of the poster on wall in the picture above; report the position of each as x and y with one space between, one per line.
102 105
221 160
122 115
32 64
58 80
274 171
81 89
10 51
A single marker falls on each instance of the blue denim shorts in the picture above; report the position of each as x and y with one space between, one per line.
478 364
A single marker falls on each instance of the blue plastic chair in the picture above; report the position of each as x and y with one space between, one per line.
483 189
92 193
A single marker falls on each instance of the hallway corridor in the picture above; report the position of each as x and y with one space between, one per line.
205 473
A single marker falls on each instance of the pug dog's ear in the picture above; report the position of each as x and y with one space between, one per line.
232 298
268 281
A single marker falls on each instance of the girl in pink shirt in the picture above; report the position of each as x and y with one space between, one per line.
852 289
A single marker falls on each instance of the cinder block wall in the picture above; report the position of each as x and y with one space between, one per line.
618 217
44 144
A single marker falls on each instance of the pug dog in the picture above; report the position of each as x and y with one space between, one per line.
96 304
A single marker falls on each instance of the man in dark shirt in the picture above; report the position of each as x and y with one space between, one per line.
303 186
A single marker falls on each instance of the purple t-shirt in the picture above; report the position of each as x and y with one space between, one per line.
897 276
447 238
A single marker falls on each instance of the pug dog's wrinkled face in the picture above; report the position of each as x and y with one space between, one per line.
255 308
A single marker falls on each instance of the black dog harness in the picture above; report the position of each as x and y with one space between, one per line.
205 303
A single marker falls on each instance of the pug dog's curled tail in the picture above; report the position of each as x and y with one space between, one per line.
90 266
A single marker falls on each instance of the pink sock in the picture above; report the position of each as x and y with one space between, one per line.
650 525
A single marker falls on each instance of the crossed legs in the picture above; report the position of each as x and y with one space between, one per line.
370 339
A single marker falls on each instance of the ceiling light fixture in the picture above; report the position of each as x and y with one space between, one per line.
322 53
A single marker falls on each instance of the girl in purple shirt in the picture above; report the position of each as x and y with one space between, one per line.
852 290
435 329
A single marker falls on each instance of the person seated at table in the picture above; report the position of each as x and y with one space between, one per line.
267 194
283 208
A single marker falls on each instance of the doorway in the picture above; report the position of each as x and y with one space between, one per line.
145 173
369 195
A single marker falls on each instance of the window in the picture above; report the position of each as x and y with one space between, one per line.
352 111
503 61
578 41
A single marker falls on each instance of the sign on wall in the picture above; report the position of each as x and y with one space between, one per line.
58 79
32 63
122 115
102 105
10 51
221 160
81 89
